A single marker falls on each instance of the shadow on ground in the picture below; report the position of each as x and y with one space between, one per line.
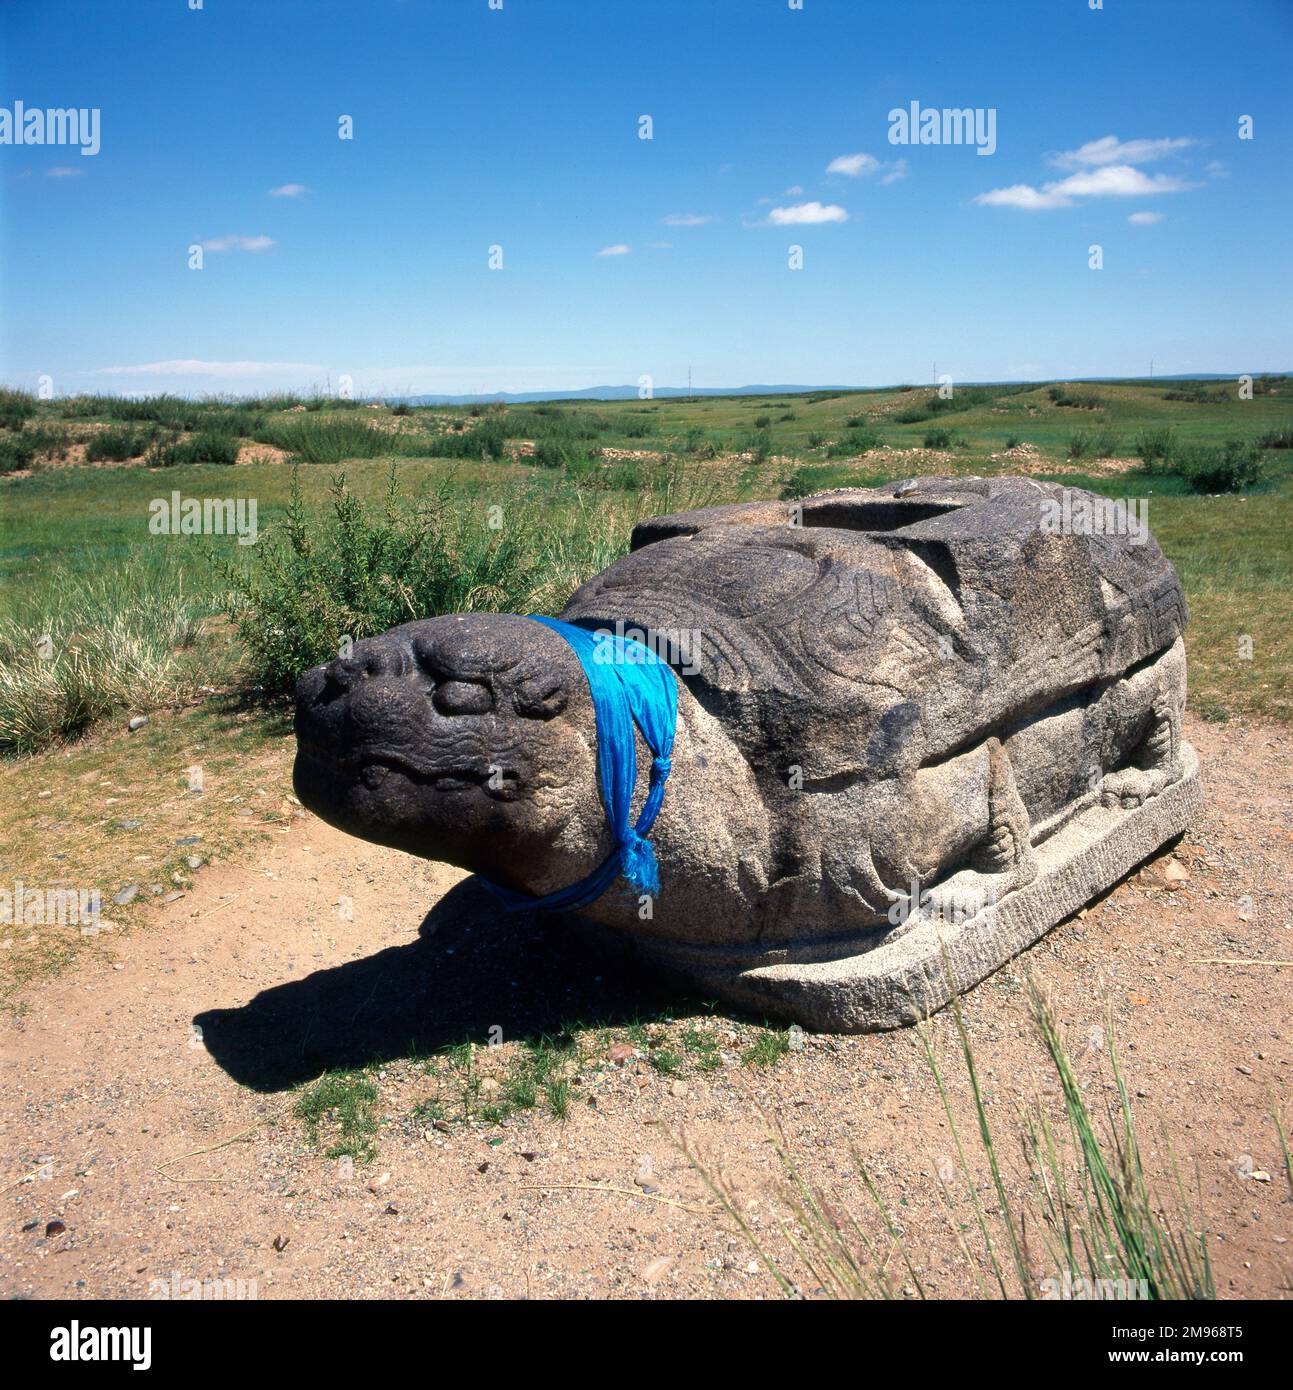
472 967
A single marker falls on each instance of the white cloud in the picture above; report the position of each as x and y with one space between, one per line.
899 169
1145 219
794 191
1117 181
854 165
1216 169
662 245
63 171
192 366
1110 150
239 243
688 219
806 214
619 249
288 190
1023 196
1107 181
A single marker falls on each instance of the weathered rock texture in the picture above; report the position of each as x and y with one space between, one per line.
918 726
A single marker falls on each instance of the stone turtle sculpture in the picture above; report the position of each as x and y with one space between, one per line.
917 727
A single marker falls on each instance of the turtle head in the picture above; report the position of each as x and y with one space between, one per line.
468 738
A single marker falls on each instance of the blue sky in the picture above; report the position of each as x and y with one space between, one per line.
519 128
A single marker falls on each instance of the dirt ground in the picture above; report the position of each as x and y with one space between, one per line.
124 1075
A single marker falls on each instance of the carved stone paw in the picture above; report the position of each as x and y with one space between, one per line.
1130 788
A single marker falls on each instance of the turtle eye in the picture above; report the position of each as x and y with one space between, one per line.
540 697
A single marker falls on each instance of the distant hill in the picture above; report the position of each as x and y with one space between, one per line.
617 393
628 393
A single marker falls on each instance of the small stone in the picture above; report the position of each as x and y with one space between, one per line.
379 1182
127 825
280 1243
620 1053
193 861
172 897
189 840
54 1228
678 1089
137 722
1247 1071
126 895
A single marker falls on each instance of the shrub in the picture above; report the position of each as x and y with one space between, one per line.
199 448
1080 444
485 440
171 412
801 483
816 439
1197 394
1104 443
1155 448
562 453
1231 468
1076 400
697 443
759 446
360 569
118 445
326 441
49 441
938 439
15 407
855 442
1013 441
16 451
1280 438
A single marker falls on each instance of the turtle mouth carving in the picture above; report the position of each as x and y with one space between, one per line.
373 767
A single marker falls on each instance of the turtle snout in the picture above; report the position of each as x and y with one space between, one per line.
374 656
